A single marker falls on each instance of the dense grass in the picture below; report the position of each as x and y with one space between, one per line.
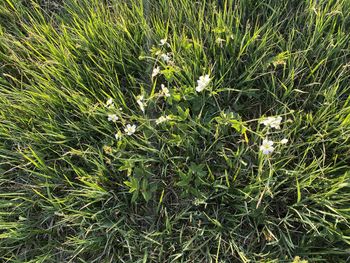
195 188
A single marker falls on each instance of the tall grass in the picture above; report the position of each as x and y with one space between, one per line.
195 188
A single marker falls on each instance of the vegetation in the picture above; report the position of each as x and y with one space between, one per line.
175 131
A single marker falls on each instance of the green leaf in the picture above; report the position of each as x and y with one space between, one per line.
11 5
127 166
238 126
183 114
139 172
176 96
134 197
147 195
133 184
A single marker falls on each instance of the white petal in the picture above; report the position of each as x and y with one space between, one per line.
109 102
284 141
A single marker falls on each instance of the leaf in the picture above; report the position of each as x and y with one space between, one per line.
176 96
298 190
183 183
10 4
198 169
176 139
139 172
183 114
133 184
147 195
219 30
134 197
127 166
238 126
168 73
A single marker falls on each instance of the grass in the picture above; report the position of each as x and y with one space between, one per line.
195 188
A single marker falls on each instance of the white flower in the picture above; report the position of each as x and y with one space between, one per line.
162 119
109 103
141 103
267 121
220 41
163 42
165 91
155 71
273 122
165 58
118 135
202 83
276 123
267 147
284 141
130 129
112 117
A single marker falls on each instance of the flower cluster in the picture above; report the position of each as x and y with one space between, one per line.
129 128
273 122
267 145
162 53
202 83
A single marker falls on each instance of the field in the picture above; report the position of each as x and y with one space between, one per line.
175 131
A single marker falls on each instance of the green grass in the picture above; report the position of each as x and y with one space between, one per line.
195 188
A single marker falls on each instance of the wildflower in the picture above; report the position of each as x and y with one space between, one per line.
165 58
118 135
109 103
220 41
273 122
202 83
130 129
267 147
141 103
165 91
155 71
276 123
267 121
112 117
162 119
284 141
163 42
